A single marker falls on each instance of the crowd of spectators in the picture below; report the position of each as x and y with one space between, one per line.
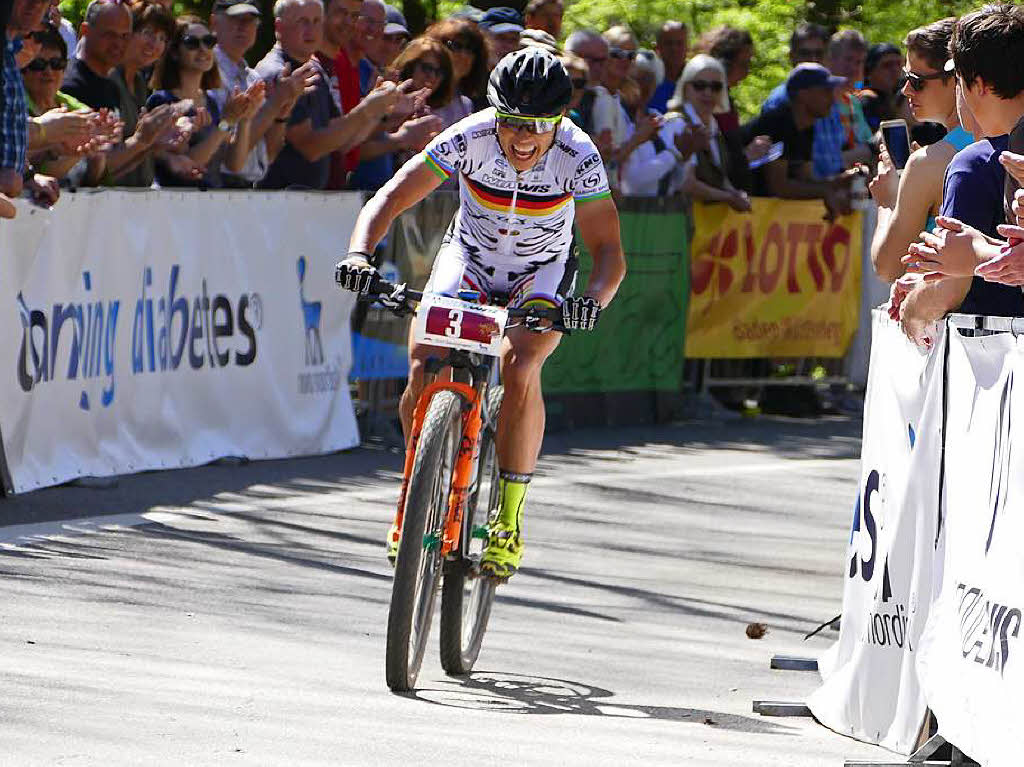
136 97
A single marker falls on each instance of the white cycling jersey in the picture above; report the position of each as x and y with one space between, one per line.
512 227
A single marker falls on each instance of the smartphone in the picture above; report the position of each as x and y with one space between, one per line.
897 141
774 153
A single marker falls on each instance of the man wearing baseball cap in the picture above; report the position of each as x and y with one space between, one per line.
811 91
502 25
236 22
396 33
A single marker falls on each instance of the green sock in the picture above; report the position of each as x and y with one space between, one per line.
512 491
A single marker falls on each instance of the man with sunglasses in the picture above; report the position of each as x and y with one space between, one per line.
526 174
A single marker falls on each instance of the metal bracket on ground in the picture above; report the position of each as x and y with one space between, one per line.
780 708
793 663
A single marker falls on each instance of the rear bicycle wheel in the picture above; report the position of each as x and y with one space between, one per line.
466 596
418 568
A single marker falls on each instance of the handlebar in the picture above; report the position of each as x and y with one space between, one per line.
402 300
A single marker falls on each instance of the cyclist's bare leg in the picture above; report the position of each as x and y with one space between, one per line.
521 421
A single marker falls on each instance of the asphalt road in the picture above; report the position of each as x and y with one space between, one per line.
235 614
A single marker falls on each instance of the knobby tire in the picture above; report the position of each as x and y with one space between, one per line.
418 568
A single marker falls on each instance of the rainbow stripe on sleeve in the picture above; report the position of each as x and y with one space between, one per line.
437 166
593 196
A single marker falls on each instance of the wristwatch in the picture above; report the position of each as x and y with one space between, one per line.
225 127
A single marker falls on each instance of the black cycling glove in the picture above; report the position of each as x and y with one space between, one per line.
580 313
355 275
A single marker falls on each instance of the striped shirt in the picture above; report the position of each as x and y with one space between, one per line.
14 117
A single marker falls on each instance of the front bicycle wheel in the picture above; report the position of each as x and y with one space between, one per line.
418 567
466 596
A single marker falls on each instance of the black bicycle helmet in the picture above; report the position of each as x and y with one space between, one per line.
530 82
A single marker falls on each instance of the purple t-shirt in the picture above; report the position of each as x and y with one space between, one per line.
973 193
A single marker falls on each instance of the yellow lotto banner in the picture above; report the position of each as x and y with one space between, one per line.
777 282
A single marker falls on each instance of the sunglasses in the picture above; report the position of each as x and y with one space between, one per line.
192 43
430 70
715 86
458 47
621 53
57 64
579 83
919 82
532 124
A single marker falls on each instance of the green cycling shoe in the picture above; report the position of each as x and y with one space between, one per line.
504 551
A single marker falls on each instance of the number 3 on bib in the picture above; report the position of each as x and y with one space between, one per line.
454 329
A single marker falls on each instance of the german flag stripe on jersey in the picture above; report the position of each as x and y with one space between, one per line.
526 204
438 167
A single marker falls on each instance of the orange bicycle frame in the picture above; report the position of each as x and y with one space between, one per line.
462 473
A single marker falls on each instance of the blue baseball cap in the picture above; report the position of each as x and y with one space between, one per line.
395 22
500 20
810 75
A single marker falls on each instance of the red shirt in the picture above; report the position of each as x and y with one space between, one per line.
347 75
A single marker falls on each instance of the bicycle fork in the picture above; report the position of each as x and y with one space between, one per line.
465 457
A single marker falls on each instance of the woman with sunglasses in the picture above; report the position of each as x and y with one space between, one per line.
152 27
909 200
700 95
428 64
469 52
42 77
189 72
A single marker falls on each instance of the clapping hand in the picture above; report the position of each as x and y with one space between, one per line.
417 132
1014 164
154 123
290 86
692 138
64 127
647 125
952 249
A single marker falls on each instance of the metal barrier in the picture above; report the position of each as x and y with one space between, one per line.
634 368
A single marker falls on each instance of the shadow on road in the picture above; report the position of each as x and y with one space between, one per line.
364 468
521 694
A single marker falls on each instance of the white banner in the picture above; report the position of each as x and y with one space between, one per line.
156 330
870 688
972 657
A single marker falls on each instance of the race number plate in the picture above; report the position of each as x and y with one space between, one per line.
443 321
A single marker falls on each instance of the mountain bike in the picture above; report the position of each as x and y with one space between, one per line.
450 481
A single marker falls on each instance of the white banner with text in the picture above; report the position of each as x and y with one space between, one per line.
970 662
870 689
165 329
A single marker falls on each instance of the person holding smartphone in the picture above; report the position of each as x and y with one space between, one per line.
909 197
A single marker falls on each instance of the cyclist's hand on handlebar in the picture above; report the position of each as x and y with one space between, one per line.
356 274
580 313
